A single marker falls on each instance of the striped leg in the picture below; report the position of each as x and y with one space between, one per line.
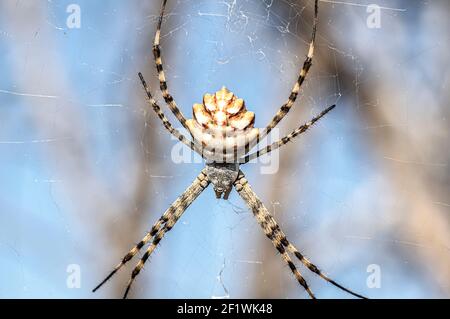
302 129
200 184
200 181
303 72
274 231
305 261
270 227
191 144
156 227
162 77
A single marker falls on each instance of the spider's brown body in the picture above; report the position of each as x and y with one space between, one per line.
223 126
223 133
222 176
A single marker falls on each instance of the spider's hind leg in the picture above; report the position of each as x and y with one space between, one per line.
276 145
168 98
284 110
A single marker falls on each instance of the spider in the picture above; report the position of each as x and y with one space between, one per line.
223 133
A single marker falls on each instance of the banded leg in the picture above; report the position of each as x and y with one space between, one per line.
156 227
302 129
161 75
200 181
191 144
301 78
274 232
270 228
200 184
305 261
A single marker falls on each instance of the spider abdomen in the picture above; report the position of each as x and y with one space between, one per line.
223 109
223 126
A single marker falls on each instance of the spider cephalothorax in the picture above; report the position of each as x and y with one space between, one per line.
223 126
222 176
222 133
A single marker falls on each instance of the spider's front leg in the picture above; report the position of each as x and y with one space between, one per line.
278 238
270 227
164 224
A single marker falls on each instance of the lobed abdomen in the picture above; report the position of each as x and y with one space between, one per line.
223 127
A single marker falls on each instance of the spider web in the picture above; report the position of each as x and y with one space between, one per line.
86 168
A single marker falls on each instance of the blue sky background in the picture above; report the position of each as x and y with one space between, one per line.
85 168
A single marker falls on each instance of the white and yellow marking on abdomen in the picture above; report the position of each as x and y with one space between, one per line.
223 126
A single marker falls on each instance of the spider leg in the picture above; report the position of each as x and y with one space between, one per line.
138 247
301 78
161 75
302 129
191 144
274 232
316 270
269 226
197 187
201 181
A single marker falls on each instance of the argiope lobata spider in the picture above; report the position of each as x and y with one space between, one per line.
222 133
